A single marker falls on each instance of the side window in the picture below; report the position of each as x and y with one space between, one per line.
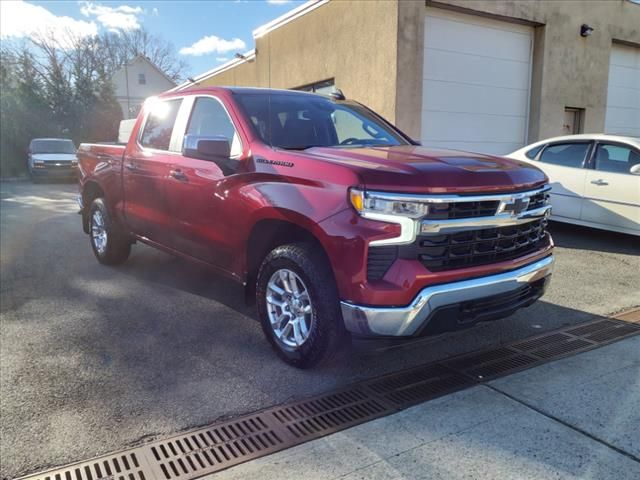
565 154
534 151
210 119
615 158
159 126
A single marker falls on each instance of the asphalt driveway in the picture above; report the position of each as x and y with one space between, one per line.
95 358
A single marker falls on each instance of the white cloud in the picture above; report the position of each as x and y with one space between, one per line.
211 44
20 19
222 59
114 19
278 2
155 11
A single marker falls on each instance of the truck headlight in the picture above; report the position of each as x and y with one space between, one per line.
386 204
390 208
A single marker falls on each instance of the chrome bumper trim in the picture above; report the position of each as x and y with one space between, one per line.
406 321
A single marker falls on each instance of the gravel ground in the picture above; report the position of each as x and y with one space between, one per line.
95 358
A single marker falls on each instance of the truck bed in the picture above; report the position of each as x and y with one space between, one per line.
93 157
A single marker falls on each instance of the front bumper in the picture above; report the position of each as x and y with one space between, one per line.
453 305
51 172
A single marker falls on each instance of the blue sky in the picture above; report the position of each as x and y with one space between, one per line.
206 32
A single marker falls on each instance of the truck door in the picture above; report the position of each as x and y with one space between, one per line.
147 163
205 222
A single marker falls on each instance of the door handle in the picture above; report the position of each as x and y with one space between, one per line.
599 182
178 175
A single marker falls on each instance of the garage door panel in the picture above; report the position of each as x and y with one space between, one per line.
623 77
478 127
461 98
446 66
623 117
476 82
474 39
624 97
623 91
625 56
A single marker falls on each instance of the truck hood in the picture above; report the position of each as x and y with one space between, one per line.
418 169
53 157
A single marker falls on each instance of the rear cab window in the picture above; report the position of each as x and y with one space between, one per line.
159 124
566 154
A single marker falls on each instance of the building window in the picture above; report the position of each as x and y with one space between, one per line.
573 120
324 87
142 80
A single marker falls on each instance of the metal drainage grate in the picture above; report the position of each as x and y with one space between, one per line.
418 385
228 443
215 448
122 466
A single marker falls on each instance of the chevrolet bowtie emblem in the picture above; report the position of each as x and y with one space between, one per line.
518 206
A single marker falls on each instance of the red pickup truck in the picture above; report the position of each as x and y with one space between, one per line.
337 222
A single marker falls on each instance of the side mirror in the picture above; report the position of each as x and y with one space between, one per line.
206 148
635 170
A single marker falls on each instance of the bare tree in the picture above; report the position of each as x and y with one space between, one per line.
121 47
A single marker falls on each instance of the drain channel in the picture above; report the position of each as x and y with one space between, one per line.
229 443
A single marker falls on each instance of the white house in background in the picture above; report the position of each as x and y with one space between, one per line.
137 80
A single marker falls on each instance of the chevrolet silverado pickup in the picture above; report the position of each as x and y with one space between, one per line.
336 222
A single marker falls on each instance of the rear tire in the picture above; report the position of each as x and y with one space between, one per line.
298 305
109 244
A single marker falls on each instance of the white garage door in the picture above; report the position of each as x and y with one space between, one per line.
623 97
476 81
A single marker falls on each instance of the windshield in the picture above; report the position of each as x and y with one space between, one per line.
295 121
53 146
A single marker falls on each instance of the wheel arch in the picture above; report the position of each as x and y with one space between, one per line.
90 191
268 234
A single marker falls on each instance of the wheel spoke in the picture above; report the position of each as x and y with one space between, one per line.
294 284
284 277
286 330
297 334
302 325
278 321
273 301
275 288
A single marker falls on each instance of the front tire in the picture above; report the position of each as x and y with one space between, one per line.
298 305
109 244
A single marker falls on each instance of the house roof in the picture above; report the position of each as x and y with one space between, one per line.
145 59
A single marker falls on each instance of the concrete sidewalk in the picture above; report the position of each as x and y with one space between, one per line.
576 418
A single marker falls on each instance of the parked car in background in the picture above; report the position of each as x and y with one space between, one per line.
52 158
595 179
333 219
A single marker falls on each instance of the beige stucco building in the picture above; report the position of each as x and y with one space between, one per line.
482 75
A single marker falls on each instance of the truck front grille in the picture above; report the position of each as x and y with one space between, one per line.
475 209
477 247
447 211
